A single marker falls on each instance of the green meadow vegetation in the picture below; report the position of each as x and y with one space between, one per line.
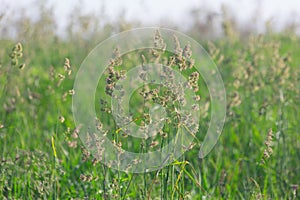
42 157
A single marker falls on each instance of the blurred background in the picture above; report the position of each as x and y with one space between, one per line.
202 18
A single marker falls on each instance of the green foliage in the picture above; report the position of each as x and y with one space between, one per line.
261 76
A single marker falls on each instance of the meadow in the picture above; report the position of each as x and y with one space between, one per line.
257 155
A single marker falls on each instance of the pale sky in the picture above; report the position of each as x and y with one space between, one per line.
151 12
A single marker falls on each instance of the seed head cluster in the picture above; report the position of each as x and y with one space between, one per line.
268 151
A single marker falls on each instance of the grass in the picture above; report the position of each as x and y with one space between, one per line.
257 156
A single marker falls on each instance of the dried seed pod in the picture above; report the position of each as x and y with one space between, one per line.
19 54
22 66
154 144
61 119
187 52
19 47
61 77
71 92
